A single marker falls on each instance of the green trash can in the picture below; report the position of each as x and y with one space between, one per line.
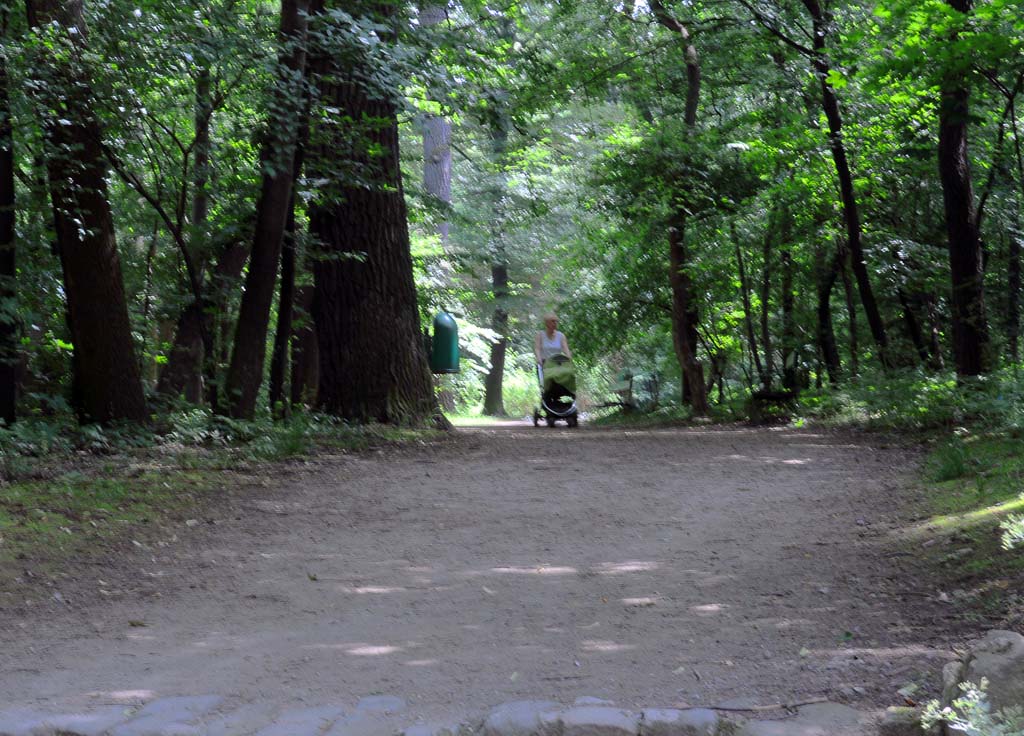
444 347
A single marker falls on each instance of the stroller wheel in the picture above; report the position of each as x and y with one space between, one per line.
536 418
572 420
550 421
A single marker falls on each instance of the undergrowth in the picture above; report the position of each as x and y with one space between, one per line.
65 489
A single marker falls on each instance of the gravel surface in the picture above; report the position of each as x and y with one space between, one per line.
730 567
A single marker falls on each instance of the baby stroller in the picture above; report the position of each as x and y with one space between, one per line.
557 380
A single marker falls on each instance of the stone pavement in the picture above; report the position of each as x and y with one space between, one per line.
208 715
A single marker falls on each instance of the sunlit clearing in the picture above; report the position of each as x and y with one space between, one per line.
708 609
618 568
421 662
803 461
605 646
640 602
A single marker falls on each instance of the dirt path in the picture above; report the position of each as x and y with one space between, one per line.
651 567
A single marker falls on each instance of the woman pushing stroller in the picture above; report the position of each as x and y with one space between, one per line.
556 375
550 341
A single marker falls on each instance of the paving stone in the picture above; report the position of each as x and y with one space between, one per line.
522 718
20 722
168 716
436 729
93 723
362 724
672 722
380 704
599 720
303 721
820 719
901 722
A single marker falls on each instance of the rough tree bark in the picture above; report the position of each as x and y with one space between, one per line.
1013 283
107 380
373 362
8 274
967 271
245 373
821 20
766 298
684 312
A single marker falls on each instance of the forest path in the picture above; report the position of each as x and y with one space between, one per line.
649 567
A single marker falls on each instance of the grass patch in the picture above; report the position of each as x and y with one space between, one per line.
79 492
974 484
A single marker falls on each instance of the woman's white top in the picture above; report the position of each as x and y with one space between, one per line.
551 345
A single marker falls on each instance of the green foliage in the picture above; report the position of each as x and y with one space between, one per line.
950 461
971 714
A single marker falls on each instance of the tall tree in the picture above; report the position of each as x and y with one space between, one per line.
8 273
821 24
373 362
966 256
245 373
107 380
684 308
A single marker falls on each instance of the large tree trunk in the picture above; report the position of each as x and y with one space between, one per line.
373 362
970 326
8 274
108 384
245 374
853 333
790 345
851 214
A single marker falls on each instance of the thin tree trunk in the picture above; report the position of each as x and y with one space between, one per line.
851 314
684 310
190 361
245 373
970 325
373 362
108 384
684 323
1013 282
305 370
494 405
828 273
201 165
790 373
8 272
285 312
766 298
286 296
748 313
851 215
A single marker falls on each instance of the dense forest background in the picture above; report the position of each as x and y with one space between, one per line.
254 208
